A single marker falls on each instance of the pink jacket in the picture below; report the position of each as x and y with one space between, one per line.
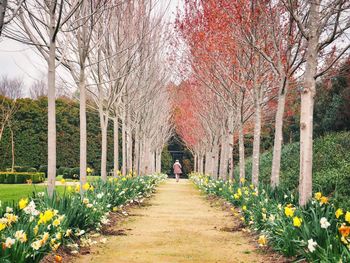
177 168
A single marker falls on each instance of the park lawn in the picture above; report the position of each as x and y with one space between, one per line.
14 192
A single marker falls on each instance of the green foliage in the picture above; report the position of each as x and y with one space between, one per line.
167 161
30 135
287 227
21 177
331 167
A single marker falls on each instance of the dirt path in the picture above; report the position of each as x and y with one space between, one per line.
179 225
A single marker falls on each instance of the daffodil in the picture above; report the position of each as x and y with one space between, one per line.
46 217
289 211
323 200
56 222
2 226
63 181
21 236
344 230
347 217
9 242
339 213
311 245
297 221
244 208
318 196
36 245
324 223
86 186
23 203
262 240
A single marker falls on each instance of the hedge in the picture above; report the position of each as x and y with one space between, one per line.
21 177
331 167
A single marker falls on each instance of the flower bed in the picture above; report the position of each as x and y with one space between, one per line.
318 232
41 224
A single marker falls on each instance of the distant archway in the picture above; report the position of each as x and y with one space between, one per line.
177 150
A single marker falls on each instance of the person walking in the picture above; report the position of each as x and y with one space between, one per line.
177 170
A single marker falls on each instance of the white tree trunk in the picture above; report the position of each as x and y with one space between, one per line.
51 135
116 145
12 150
241 152
83 135
104 127
124 168
256 144
208 160
224 156
307 108
195 163
215 161
278 140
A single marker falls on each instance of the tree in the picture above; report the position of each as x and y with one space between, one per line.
323 24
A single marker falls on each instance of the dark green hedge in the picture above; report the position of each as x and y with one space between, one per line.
30 132
331 166
21 177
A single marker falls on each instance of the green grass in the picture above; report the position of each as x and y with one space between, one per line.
14 192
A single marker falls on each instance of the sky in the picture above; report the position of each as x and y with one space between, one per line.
19 60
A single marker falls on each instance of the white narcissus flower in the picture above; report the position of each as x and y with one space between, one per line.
311 245
324 223
99 195
9 242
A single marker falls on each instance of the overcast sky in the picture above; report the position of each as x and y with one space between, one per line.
21 60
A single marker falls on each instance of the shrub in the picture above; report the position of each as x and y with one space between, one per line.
331 167
21 177
60 171
43 169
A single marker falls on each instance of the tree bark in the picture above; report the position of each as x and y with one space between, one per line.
116 145
208 160
83 135
241 152
215 161
3 6
104 126
51 136
307 108
124 168
224 156
195 163
256 144
278 140
12 150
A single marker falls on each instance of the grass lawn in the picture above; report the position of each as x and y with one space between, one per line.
14 192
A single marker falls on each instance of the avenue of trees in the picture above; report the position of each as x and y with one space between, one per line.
244 61
114 51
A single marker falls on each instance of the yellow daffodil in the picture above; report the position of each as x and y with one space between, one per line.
86 186
347 217
77 188
23 203
323 200
36 230
63 181
289 211
236 196
2 226
318 196
45 217
297 221
69 189
56 222
244 208
262 240
242 180
339 213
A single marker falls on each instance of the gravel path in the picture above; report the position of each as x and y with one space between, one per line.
177 225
